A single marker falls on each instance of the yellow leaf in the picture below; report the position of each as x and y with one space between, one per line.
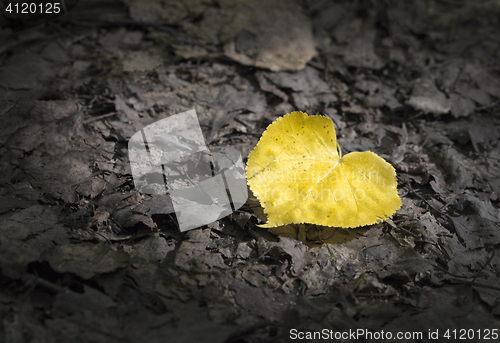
299 176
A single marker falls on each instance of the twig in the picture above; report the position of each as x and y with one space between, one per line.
485 107
90 120
427 202
91 21
35 280
450 218
451 274
482 268
263 254
99 172
472 283
374 295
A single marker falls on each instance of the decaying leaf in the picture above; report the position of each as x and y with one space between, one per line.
299 175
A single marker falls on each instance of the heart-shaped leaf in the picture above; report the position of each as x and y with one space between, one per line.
299 176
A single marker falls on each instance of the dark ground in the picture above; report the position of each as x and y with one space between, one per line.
84 257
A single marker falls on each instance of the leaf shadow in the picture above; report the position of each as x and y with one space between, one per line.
315 235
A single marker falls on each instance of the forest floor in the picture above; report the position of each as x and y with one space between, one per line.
86 257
